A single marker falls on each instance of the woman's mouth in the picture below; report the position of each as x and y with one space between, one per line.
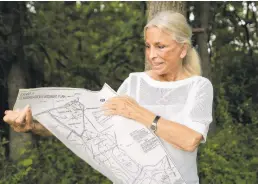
157 65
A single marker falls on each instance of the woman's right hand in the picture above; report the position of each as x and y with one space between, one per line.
20 120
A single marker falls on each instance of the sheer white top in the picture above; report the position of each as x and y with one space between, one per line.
188 102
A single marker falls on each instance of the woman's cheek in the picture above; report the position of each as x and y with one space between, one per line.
165 55
147 55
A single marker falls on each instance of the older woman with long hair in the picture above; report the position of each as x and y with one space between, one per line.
172 98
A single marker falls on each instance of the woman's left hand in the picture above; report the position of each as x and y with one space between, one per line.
123 106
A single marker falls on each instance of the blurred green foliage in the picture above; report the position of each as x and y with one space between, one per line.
230 155
84 45
49 162
87 44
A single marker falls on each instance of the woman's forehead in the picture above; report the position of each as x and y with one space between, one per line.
155 33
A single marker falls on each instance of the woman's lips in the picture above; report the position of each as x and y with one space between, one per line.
157 65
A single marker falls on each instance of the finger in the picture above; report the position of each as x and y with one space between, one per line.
124 100
104 108
8 112
22 115
109 101
17 110
17 129
10 117
6 119
129 98
122 96
109 106
115 99
28 118
13 127
109 113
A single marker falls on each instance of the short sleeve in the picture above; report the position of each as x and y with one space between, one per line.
200 114
123 89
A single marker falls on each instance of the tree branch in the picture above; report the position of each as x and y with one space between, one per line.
42 48
198 30
247 37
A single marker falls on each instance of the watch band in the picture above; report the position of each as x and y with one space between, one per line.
154 123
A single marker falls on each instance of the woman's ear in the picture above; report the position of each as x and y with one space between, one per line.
184 51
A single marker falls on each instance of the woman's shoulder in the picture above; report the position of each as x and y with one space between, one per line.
203 84
200 80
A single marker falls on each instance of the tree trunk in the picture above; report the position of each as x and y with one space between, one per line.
202 38
153 7
18 75
202 41
18 141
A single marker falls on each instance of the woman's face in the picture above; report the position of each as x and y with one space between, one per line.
163 53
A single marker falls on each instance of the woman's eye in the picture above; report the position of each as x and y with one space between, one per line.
161 46
147 46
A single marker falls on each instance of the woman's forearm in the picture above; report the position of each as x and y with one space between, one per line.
174 133
178 135
39 129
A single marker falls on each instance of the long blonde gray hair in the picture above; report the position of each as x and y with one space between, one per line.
176 24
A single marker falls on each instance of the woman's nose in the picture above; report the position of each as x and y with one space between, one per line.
153 53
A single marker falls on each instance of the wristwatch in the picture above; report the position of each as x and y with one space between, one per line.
154 123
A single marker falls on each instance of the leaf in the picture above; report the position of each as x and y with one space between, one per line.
27 162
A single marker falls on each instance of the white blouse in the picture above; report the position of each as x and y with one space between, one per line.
188 102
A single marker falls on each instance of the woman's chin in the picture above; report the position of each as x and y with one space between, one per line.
158 71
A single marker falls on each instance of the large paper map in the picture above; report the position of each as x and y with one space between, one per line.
121 149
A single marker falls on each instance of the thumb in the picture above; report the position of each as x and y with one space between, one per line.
22 115
28 118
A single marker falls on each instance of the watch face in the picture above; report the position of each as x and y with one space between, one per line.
153 127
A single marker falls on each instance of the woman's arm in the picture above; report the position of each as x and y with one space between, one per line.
187 136
180 136
174 133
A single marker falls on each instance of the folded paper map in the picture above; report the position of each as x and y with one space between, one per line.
121 149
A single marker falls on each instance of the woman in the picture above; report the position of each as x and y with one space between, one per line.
171 99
